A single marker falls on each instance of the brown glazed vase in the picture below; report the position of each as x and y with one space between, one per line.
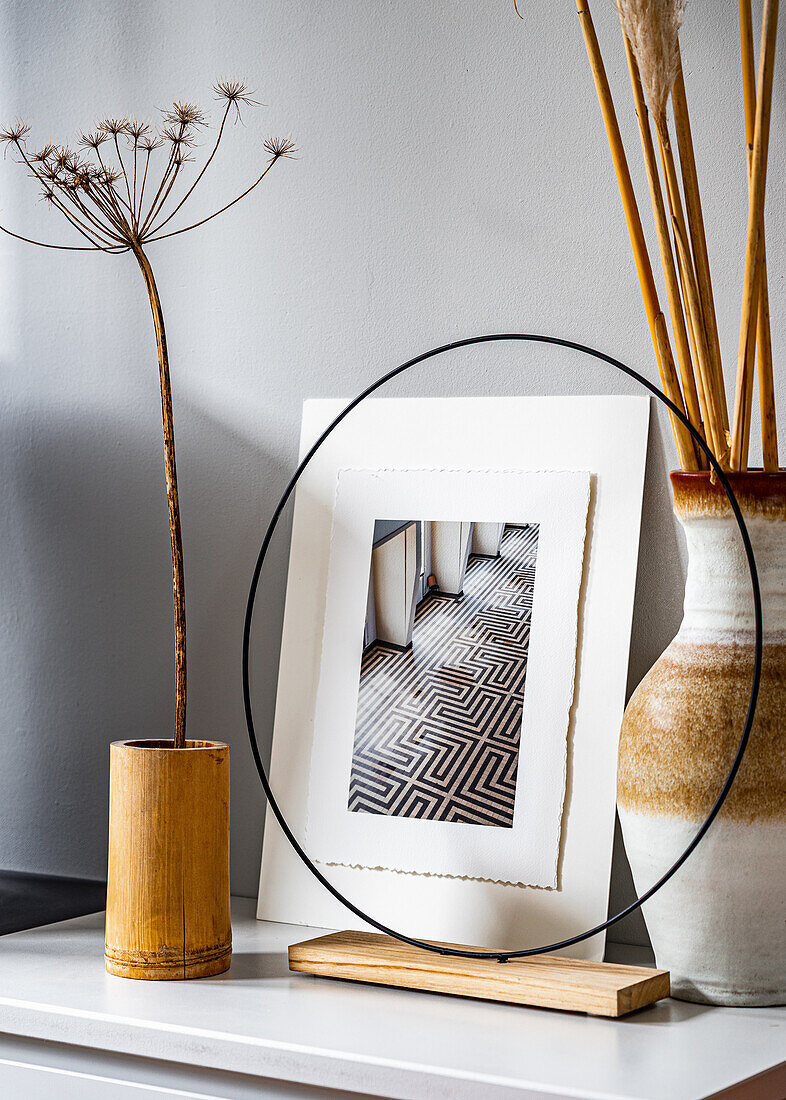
720 924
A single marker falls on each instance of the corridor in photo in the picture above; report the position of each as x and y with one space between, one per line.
444 667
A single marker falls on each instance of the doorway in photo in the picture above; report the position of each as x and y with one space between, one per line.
444 668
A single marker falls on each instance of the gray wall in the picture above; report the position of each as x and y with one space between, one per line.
454 179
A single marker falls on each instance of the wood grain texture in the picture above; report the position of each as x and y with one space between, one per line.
542 981
167 913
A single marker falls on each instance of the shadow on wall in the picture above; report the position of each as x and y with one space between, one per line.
657 613
85 594
87 605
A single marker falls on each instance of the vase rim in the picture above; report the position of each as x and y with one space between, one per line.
165 745
759 493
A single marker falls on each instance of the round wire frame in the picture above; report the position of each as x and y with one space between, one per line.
504 956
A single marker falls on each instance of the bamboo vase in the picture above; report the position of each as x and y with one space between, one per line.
167 914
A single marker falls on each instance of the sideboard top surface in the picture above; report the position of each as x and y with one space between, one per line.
260 1019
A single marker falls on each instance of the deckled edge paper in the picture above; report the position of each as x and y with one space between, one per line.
527 853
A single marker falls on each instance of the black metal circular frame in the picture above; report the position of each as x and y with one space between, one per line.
504 956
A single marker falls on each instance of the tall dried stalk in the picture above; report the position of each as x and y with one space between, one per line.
755 238
651 29
763 342
121 203
698 238
657 325
651 36
662 225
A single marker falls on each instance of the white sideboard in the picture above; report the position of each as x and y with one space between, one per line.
71 1031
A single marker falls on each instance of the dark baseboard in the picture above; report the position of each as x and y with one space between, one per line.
28 900
378 643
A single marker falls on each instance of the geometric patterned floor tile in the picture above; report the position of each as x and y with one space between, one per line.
438 727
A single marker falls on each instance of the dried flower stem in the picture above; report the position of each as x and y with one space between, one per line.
708 400
753 252
655 318
698 238
170 467
660 216
115 220
769 427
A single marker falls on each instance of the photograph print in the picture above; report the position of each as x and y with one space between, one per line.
447 672
443 672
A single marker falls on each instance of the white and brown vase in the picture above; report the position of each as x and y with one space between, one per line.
720 924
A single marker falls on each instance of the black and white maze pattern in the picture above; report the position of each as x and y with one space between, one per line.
438 727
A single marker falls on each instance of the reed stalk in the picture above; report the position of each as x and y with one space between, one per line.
708 399
763 339
678 322
698 238
658 331
651 39
754 250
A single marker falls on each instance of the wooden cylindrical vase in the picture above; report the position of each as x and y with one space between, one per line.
720 924
167 914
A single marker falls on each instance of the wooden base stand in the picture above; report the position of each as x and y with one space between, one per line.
542 981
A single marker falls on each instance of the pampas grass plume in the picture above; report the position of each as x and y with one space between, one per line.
652 28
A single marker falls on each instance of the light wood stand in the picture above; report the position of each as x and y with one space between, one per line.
543 981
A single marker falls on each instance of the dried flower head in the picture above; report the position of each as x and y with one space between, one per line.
150 142
234 93
16 133
43 154
184 114
91 139
116 196
108 177
135 131
63 157
280 147
177 136
113 126
652 28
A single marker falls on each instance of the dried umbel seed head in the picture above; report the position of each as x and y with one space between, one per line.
280 147
150 142
234 93
115 194
108 177
184 115
135 131
177 137
92 139
113 126
63 157
43 155
16 133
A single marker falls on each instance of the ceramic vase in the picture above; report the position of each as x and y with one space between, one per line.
167 911
719 925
